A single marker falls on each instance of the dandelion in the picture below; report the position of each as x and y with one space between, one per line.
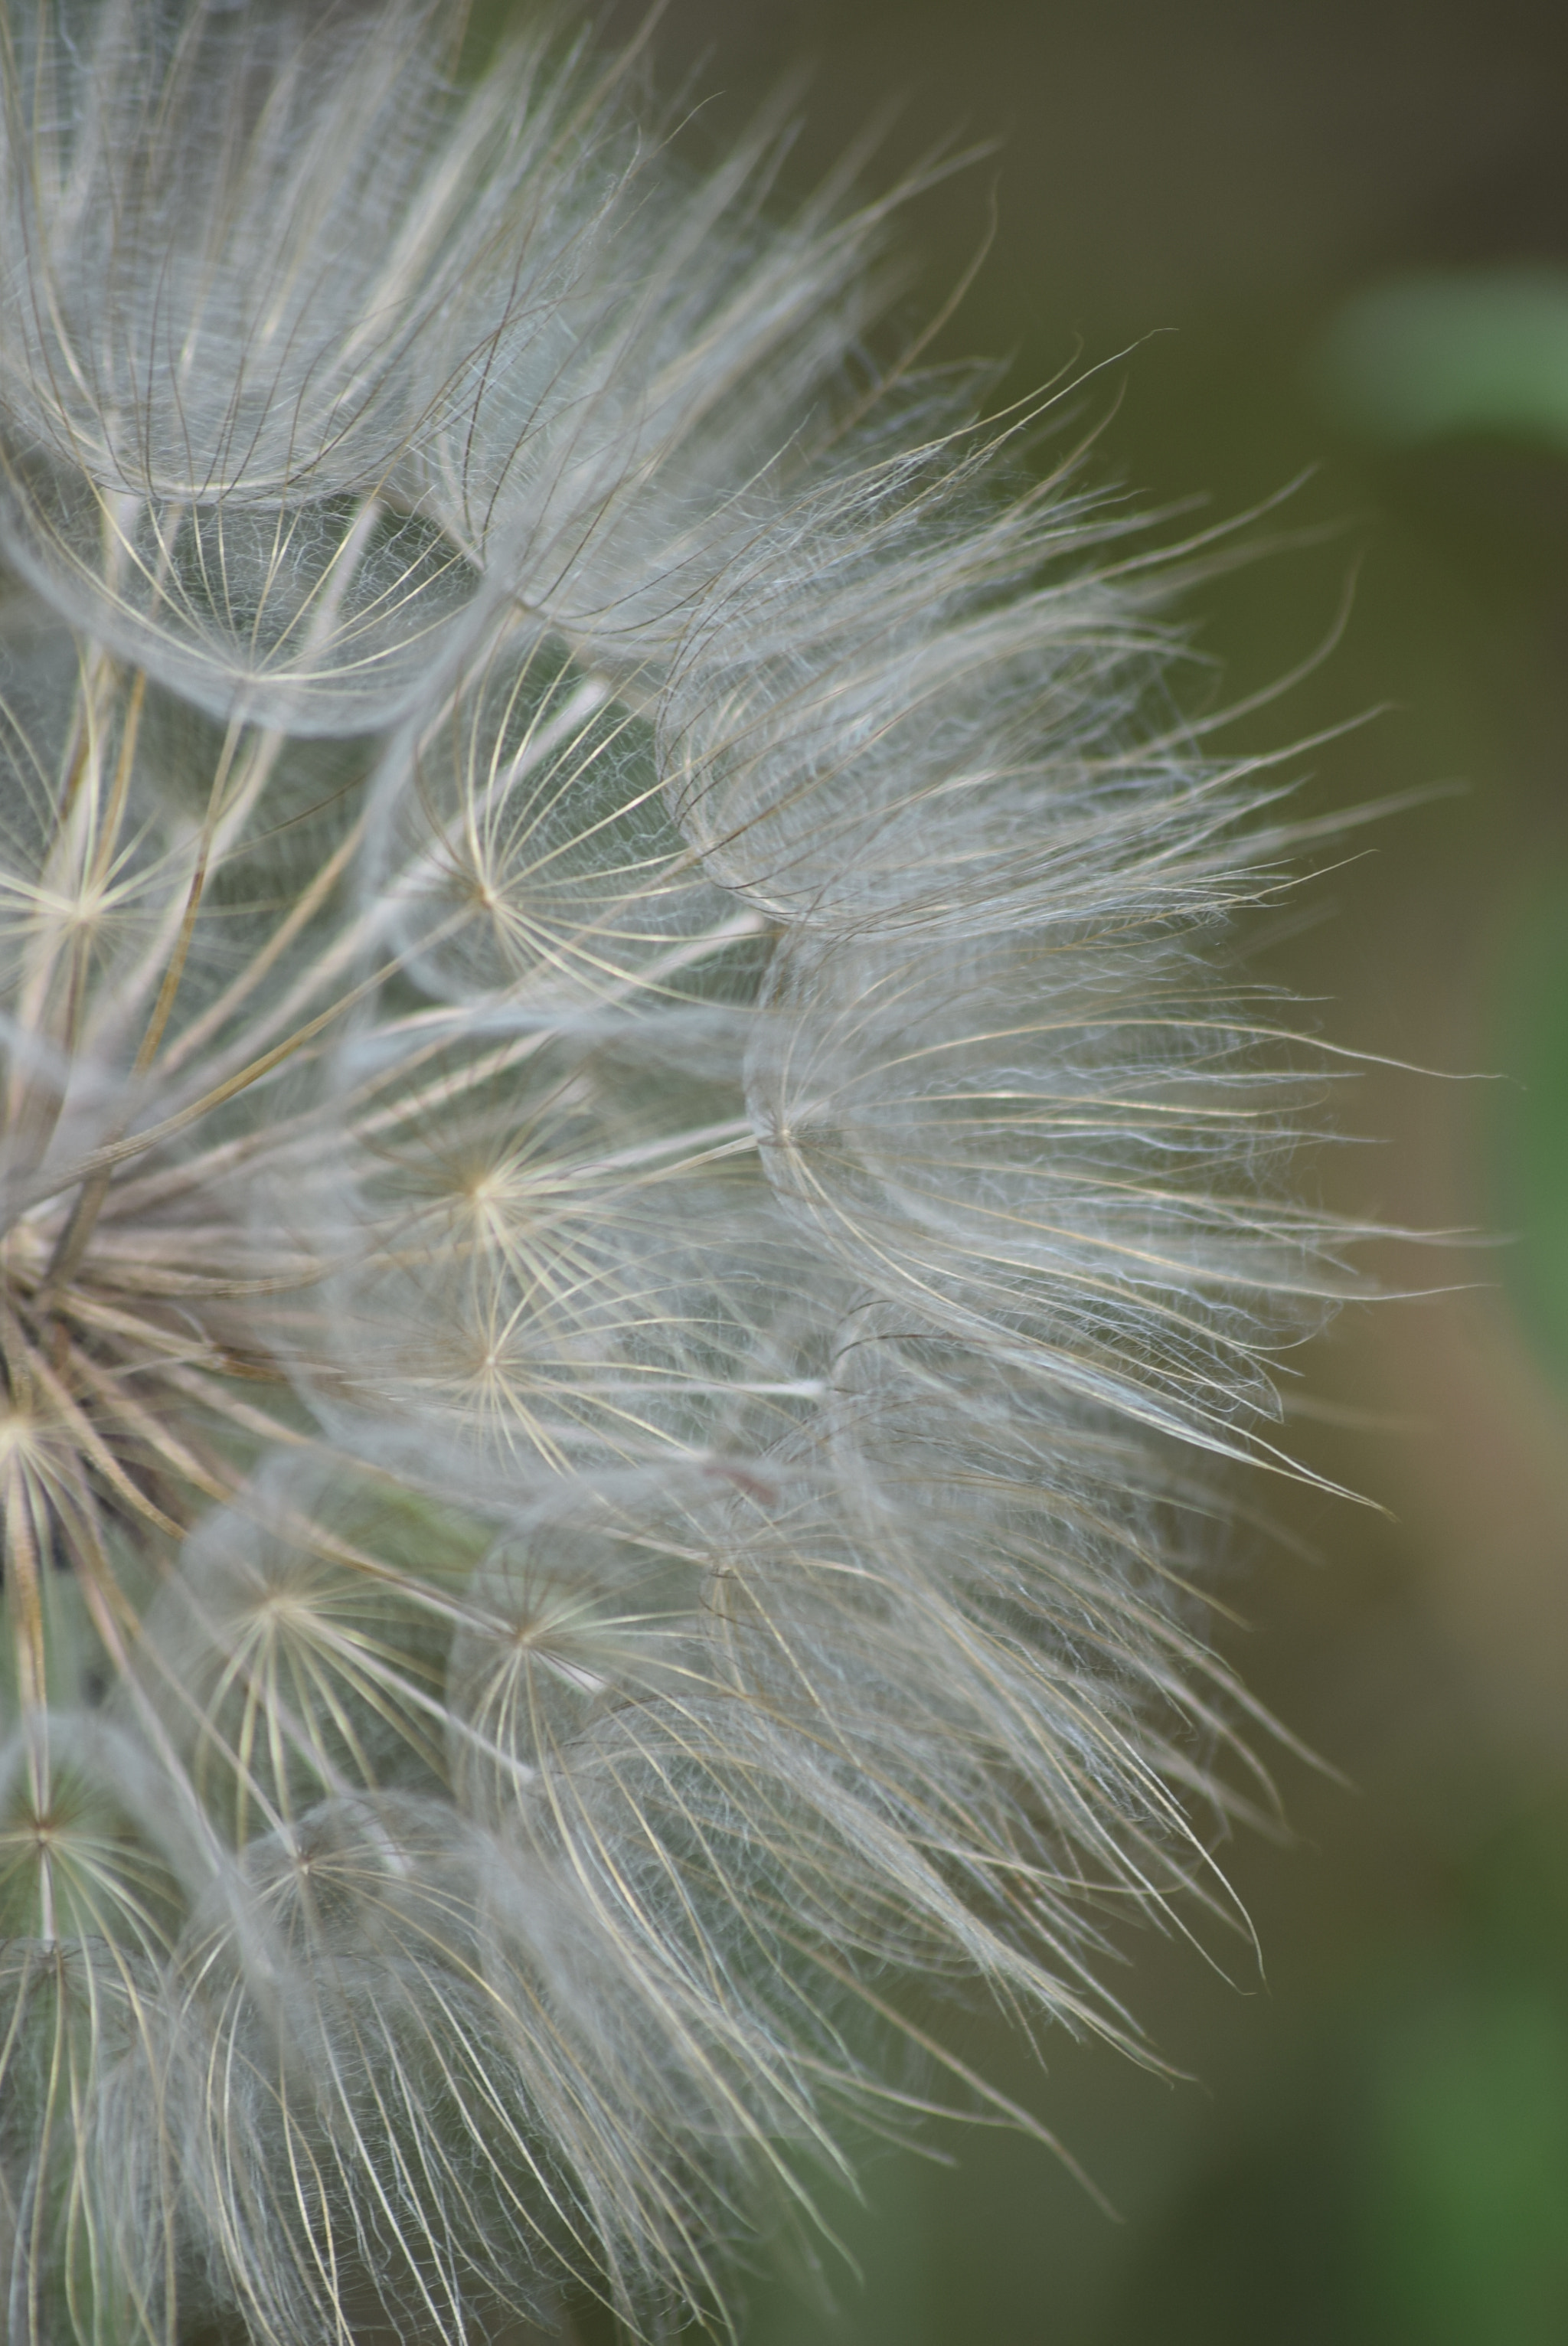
624 1190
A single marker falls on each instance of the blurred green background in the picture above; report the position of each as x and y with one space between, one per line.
1370 2141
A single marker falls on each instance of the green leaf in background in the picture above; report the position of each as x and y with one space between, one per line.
1461 2208
1530 1120
1439 355
1406 2178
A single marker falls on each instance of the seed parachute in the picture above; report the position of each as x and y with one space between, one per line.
630 1208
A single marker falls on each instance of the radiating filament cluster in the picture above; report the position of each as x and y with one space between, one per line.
626 1201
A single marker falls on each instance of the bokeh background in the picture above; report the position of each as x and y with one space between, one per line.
1368 2139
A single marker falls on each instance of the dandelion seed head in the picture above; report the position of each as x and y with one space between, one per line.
629 1198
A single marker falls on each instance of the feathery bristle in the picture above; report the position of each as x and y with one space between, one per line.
624 1187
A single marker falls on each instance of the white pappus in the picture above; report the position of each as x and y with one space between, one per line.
625 1189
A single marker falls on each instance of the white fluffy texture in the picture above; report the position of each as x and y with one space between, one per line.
623 1184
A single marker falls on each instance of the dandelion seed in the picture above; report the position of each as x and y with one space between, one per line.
623 1189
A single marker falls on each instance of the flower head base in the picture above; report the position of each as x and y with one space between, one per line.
620 1180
